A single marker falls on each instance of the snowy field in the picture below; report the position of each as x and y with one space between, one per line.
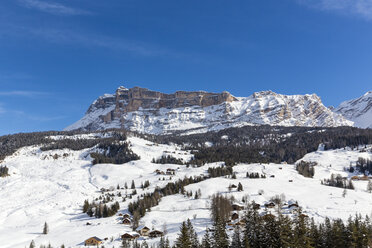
42 188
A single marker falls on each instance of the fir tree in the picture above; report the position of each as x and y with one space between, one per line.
240 187
32 244
192 234
85 206
285 232
183 239
220 238
252 227
46 228
206 242
236 240
271 233
369 186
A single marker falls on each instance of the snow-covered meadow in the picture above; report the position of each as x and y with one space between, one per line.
41 189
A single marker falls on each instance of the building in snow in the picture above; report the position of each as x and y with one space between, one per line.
93 241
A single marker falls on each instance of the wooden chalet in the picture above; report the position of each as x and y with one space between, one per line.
269 204
143 230
292 204
93 241
126 216
127 221
155 234
129 236
237 207
362 178
234 216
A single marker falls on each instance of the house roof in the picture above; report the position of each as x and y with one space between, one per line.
141 227
96 238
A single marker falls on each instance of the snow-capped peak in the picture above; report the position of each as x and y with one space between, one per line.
358 110
147 111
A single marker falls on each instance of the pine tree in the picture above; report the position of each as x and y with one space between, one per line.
183 239
133 186
236 240
46 228
252 228
105 211
192 234
206 242
161 242
286 234
240 187
125 244
85 206
271 235
32 244
344 193
301 233
369 186
220 238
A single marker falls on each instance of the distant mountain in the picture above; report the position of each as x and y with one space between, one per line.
358 110
142 110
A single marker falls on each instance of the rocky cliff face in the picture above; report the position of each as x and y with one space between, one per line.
147 111
358 110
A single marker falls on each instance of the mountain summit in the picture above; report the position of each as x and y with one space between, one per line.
143 110
358 110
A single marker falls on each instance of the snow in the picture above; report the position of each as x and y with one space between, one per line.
358 110
41 188
258 109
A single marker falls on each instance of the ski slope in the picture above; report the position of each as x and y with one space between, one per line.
41 188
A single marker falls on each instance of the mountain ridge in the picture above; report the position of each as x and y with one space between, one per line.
147 111
358 110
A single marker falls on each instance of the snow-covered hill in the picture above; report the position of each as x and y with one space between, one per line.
358 110
146 111
45 187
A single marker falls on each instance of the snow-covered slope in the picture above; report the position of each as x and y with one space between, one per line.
157 113
358 110
41 188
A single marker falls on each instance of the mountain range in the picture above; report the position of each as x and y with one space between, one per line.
146 111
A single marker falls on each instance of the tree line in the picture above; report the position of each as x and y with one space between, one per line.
100 210
338 181
4 171
306 168
265 144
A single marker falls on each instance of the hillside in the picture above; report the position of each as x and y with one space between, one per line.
51 186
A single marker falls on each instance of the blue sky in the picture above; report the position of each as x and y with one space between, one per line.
56 57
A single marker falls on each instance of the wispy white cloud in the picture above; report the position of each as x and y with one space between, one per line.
23 93
19 114
52 7
93 40
361 8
